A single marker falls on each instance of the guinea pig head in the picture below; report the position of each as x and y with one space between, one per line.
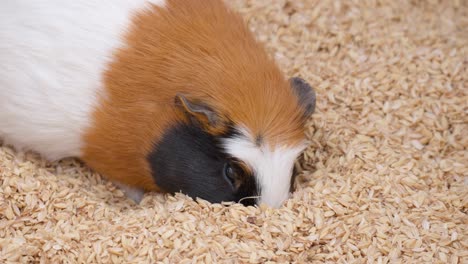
190 158
212 155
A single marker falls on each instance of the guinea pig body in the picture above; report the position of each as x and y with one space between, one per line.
162 95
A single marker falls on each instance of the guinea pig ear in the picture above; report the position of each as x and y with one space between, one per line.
198 111
305 93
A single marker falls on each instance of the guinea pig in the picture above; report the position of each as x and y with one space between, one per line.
157 96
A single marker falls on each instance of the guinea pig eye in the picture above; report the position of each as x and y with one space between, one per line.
230 174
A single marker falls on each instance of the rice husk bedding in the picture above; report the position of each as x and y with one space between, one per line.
384 180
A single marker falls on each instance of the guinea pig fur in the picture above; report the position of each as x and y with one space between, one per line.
162 95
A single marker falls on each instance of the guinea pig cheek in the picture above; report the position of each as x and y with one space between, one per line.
187 159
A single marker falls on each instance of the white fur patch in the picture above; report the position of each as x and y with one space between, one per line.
272 167
52 56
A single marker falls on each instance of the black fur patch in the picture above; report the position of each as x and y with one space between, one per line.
190 160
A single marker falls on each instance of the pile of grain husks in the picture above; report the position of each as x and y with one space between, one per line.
384 180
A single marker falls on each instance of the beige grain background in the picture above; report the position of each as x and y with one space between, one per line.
385 179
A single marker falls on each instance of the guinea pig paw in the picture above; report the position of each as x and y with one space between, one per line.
133 193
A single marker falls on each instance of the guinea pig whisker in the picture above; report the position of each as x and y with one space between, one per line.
248 197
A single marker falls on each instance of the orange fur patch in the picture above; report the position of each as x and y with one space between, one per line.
199 48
